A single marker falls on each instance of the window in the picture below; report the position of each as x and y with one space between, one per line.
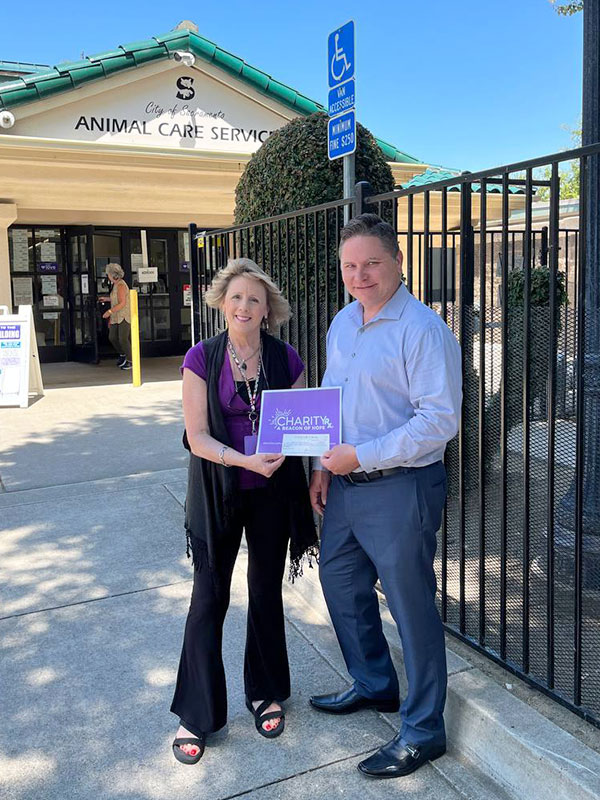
38 279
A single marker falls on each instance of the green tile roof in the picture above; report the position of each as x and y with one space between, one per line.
21 66
432 175
71 74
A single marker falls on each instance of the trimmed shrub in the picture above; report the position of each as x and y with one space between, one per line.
291 170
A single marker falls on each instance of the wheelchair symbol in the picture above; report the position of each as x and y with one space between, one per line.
339 62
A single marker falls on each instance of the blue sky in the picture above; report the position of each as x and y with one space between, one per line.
467 84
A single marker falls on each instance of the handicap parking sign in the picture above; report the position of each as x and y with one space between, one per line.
340 54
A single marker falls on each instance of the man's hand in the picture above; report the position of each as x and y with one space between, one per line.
319 485
341 459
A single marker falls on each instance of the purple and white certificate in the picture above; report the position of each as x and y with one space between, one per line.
300 422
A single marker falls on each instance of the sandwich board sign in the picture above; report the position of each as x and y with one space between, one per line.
20 371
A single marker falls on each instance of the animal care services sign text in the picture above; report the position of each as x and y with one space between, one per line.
182 129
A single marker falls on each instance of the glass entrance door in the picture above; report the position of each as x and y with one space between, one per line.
160 296
107 249
156 302
82 292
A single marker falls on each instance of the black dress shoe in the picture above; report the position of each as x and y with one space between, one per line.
349 701
397 758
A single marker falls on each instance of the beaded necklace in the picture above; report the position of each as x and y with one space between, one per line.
242 366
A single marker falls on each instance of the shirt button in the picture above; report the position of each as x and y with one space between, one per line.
346 380
353 354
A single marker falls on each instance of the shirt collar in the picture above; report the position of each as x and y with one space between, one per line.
391 310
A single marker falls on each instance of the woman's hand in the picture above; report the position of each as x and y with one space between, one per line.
106 314
264 463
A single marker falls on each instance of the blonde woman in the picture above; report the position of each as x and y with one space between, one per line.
230 489
118 315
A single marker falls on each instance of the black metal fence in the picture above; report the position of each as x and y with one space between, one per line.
299 251
518 561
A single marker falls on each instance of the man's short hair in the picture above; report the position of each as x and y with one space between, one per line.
371 225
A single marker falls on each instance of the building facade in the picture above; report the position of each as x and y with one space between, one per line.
109 159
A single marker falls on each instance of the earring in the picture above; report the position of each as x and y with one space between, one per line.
266 323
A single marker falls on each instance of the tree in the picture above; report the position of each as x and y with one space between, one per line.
291 170
569 176
567 9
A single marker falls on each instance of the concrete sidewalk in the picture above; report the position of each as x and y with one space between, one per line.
94 592
98 430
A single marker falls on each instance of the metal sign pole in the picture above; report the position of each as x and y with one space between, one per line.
349 183
341 127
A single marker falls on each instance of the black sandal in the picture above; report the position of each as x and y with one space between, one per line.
185 758
260 716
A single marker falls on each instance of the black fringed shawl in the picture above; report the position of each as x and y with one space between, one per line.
213 493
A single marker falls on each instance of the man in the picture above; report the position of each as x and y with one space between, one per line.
382 492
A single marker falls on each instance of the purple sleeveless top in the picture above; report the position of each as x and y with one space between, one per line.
235 410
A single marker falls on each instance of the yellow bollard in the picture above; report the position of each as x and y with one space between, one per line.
136 370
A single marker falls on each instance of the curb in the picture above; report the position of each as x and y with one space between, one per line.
516 745
526 754
68 491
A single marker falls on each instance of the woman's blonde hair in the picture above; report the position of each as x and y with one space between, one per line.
115 271
279 308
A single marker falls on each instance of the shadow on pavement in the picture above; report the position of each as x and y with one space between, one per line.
72 373
71 437
89 684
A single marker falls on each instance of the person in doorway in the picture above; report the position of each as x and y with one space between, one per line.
230 488
382 491
119 316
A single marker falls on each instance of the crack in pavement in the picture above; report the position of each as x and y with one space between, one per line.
295 775
95 599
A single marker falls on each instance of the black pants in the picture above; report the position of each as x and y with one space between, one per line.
200 698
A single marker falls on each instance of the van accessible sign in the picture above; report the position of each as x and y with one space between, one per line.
342 98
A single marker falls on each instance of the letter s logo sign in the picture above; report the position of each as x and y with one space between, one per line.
186 90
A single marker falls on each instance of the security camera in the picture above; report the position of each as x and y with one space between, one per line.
7 120
184 57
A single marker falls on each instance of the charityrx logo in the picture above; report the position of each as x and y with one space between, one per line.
286 421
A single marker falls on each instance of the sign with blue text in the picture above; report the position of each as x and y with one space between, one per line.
341 135
341 98
340 54
20 372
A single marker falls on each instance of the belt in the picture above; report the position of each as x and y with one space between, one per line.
367 477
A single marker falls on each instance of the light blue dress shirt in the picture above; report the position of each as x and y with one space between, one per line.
401 380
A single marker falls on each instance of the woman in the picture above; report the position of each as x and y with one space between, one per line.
119 316
231 488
